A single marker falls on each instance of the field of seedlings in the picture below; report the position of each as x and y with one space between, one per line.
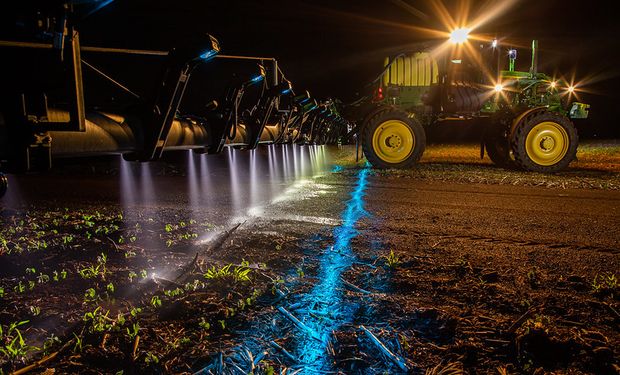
345 269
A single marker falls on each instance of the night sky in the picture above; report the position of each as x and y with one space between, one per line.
335 48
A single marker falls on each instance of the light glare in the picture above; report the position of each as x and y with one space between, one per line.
459 35
208 55
499 87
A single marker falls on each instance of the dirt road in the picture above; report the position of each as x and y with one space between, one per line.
474 258
583 219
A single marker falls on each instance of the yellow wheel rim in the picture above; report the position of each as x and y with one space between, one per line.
393 141
547 143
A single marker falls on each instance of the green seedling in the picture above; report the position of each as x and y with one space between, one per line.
238 273
20 287
57 276
135 311
605 284
35 310
12 343
133 331
50 342
204 324
99 322
151 358
77 348
392 260
94 270
43 278
120 320
300 272
537 323
174 292
90 295
156 301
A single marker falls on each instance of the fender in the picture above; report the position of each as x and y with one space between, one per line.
520 118
375 111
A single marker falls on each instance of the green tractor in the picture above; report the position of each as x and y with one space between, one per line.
526 116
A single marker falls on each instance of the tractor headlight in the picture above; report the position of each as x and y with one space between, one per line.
512 54
459 35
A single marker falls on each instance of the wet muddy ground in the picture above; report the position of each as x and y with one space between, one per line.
450 267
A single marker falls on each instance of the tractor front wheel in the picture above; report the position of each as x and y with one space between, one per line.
4 184
392 139
544 142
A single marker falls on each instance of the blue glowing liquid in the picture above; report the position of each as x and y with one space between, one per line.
325 300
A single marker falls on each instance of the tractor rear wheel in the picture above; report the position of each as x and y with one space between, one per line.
544 142
4 184
392 139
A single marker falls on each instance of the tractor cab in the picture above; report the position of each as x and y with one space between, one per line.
407 80
444 85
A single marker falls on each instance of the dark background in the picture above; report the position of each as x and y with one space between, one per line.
335 48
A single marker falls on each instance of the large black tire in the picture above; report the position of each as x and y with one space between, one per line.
497 146
400 149
4 184
544 142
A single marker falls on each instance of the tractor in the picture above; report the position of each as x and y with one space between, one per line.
525 116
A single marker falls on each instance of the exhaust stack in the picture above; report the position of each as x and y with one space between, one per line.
534 66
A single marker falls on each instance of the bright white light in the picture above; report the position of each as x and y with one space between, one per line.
459 35
494 43
553 84
256 211
499 87
571 89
